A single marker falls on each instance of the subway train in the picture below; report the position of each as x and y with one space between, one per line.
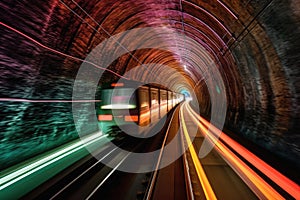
132 104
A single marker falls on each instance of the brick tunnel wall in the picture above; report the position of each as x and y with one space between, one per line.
265 109
264 106
29 71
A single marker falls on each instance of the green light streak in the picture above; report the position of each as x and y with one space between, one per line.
42 163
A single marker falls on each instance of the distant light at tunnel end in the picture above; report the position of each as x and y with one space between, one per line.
186 93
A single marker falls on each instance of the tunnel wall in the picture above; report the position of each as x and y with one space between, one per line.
269 70
265 109
262 83
31 72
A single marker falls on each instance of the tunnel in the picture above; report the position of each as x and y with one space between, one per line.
239 60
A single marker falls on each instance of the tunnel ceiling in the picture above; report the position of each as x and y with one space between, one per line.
253 44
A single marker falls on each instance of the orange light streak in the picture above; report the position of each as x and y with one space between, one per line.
245 172
117 84
208 191
285 183
131 118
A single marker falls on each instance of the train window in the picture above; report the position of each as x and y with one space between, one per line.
118 98
163 97
154 98
144 99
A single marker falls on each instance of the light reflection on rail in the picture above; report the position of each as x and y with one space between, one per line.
285 183
251 178
208 191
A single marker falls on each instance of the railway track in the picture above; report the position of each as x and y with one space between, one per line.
229 170
89 178
141 185
171 181
216 176
212 177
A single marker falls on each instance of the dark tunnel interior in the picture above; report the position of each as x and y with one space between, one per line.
248 50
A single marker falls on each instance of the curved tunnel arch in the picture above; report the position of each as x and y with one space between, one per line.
241 38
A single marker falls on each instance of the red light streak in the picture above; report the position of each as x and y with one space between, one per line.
105 117
58 52
285 183
251 178
117 84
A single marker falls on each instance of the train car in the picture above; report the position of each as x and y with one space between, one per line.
126 103
118 105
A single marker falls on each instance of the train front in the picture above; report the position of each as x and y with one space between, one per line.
118 107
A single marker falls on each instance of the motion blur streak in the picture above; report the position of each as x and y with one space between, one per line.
40 164
228 10
58 52
47 100
86 171
213 17
208 191
110 173
245 172
285 183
